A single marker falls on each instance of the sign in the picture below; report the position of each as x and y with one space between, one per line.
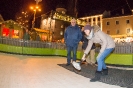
67 18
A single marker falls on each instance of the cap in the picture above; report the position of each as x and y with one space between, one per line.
87 27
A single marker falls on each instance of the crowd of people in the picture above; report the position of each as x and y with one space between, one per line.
88 36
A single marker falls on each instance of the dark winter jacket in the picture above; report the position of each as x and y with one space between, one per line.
72 35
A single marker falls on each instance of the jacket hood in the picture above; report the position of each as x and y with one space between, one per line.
96 28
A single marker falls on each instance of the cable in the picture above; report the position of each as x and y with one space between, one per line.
128 5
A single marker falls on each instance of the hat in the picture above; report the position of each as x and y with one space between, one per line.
87 27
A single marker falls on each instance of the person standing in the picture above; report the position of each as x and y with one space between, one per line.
90 58
95 35
72 37
26 35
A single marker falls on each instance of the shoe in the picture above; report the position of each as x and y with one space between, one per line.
97 77
67 64
105 72
93 65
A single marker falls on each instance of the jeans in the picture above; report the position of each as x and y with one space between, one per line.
69 49
101 59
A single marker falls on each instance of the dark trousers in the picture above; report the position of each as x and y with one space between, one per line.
74 50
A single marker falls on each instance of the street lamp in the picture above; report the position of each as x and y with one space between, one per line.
36 8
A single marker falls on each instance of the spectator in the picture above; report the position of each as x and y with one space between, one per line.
72 37
26 35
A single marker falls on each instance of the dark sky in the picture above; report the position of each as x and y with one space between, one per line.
9 8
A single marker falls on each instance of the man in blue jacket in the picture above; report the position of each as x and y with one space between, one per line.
72 37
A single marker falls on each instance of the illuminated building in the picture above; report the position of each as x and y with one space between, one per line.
12 29
56 22
94 20
118 27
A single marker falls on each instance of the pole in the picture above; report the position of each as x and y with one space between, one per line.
33 22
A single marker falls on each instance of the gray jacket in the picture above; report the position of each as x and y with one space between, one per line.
100 37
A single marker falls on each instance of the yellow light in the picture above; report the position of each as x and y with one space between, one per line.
37 7
31 7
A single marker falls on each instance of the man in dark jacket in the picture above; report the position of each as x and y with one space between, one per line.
90 58
72 37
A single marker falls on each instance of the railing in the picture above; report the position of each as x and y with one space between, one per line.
121 48
124 47
33 44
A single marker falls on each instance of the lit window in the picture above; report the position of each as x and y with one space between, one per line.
128 30
62 26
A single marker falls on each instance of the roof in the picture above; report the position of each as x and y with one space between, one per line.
1 18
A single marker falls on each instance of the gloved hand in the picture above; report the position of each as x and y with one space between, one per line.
83 58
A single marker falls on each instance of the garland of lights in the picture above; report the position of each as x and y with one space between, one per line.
67 18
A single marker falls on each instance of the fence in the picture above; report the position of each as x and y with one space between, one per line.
121 48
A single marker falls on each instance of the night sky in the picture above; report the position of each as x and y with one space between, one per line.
9 8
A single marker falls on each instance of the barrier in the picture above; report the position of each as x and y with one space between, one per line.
20 46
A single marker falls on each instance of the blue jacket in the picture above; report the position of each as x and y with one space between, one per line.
72 35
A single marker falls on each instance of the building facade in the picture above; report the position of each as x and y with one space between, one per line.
118 27
94 20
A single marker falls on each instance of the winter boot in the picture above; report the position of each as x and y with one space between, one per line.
97 77
105 72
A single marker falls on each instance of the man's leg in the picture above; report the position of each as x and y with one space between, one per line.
92 56
69 55
74 53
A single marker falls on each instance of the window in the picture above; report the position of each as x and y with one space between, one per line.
128 30
117 22
108 32
127 21
86 20
11 26
89 20
62 26
98 18
108 23
94 19
117 31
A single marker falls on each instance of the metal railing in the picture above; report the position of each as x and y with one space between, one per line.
121 48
